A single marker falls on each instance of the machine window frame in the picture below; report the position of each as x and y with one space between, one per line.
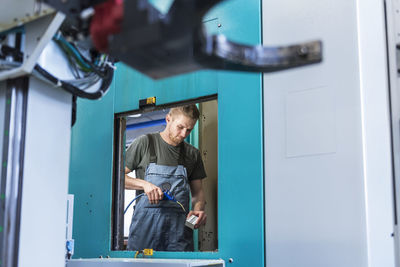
118 196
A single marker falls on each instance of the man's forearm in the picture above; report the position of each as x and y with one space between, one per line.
198 201
134 183
198 197
153 192
199 205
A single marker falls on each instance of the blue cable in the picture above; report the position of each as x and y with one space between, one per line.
60 38
142 194
167 196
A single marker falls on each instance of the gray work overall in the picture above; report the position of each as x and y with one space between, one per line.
162 226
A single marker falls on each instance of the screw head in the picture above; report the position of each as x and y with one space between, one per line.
303 51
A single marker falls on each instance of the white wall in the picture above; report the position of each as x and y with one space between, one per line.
327 147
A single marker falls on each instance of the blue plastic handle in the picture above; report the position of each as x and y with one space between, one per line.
168 196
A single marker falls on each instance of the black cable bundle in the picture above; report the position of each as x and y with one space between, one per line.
76 60
105 84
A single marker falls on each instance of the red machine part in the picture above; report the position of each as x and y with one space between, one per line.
107 20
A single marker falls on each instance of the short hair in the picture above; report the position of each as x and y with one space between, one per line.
190 111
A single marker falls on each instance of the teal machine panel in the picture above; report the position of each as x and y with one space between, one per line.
240 147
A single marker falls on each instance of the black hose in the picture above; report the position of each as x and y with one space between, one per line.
73 113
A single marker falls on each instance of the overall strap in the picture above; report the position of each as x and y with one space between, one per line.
181 160
153 157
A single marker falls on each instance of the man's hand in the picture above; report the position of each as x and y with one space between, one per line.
154 193
202 217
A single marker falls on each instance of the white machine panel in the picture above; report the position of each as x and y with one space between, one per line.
2 117
45 181
328 180
38 34
21 11
393 36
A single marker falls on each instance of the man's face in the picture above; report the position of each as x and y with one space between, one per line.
179 127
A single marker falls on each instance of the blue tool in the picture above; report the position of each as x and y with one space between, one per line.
168 196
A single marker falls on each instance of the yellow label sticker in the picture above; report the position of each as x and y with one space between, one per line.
148 252
151 100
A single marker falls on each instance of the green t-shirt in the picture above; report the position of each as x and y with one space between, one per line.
138 156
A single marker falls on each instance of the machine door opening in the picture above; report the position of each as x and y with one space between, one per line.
131 125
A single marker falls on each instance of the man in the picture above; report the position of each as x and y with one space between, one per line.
163 161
